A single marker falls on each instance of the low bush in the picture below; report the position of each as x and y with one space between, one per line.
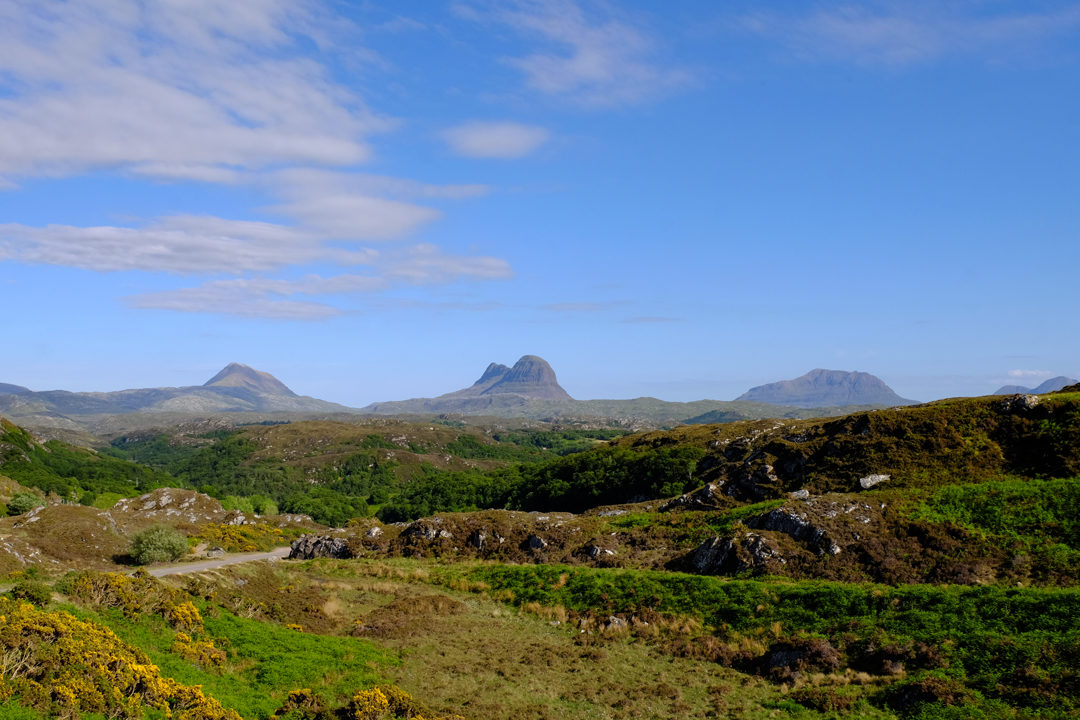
158 544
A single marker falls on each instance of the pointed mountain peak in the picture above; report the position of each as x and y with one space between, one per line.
242 376
492 374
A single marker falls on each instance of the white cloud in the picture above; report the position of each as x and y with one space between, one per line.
426 265
359 206
1030 373
598 59
180 88
226 298
501 140
222 93
276 298
260 297
182 244
888 33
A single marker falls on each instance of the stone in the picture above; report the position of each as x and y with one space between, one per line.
478 539
706 496
236 517
374 532
535 542
796 526
596 552
871 480
1019 403
614 622
315 546
803 494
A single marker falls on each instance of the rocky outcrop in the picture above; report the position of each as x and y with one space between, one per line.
754 483
796 526
1020 403
727 556
705 497
308 547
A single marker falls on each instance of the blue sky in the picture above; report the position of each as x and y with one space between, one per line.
374 200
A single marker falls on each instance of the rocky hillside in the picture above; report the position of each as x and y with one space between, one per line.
961 491
58 537
822 388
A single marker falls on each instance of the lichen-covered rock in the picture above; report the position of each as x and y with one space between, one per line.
316 546
755 483
427 530
797 526
704 497
1020 403
870 481
720 555
478 538
535 542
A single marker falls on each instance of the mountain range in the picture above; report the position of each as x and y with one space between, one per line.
237 388
529 389
1052 385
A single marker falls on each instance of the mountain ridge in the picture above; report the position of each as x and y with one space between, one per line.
1052 385
237 388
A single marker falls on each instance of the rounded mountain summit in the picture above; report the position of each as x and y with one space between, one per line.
827 388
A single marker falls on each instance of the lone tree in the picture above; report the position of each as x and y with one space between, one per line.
158 544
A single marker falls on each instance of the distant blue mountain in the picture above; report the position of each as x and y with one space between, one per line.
1052 385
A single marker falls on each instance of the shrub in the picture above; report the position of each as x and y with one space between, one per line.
32 591
158 544
23 502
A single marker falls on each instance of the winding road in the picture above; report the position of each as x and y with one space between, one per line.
233 559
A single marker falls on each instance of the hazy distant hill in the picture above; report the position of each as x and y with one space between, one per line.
236 375
1052 385
827 388
237 388
6 389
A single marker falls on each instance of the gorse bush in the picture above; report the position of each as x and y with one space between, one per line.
246 538
158 544
64 666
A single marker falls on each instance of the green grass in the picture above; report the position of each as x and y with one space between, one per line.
983 635
1028 511
266 660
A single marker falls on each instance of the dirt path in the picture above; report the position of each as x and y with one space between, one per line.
194 567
